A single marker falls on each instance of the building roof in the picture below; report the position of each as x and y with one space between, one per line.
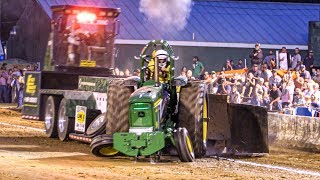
217 22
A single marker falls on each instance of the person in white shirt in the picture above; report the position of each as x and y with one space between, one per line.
283 59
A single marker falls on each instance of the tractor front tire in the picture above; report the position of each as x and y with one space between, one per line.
102 146
192 105
184 145
117 115
98 126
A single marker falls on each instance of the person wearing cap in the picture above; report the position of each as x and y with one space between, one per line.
275 78
308 61
256 55
305 74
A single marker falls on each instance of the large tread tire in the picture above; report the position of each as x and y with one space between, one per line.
117 115
98 126
184 145
102 146
65 124
190 114
51 116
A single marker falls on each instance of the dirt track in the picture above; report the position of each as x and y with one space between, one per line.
28 154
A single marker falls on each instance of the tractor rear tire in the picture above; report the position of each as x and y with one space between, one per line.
98 126
102 146
51 116
192 103
184 145
117 115
65 123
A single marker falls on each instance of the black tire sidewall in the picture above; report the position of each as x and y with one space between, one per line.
100 128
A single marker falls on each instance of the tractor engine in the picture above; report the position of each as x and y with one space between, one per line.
147 110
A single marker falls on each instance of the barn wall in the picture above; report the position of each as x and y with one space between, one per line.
33 27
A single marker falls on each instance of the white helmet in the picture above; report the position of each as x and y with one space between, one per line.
162 55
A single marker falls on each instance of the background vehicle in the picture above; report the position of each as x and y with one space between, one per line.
82 43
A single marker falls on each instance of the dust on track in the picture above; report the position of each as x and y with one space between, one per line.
27 154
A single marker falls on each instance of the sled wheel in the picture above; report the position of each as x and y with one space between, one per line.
65 124
50 116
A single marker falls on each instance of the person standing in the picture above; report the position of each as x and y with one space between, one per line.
3 87
256 55
20 89
267 59
9 88
296 59
198 68
284 59
308 61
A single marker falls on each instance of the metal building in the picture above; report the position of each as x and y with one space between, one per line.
215 30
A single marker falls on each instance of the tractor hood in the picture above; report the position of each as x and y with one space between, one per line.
148 94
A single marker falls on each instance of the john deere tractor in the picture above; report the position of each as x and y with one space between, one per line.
162 112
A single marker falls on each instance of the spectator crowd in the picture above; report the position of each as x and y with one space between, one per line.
278 83
12 83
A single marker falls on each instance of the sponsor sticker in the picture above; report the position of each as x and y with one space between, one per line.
80 124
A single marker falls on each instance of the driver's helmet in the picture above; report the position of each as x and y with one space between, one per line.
163 57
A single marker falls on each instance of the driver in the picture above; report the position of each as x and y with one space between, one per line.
163 64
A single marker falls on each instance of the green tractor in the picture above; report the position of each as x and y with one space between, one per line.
146 115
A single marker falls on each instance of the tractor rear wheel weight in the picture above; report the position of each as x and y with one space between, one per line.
190 114
117 115
184 144
50 116
65 124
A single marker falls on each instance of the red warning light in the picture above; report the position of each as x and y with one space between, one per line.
86 17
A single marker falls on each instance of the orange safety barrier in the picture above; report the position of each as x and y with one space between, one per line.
233 72
281 73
